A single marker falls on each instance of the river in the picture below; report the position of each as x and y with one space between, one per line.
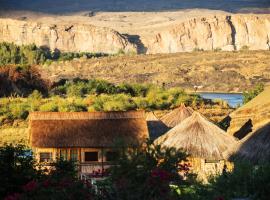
233 99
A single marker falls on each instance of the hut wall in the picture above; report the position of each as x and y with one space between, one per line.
205 168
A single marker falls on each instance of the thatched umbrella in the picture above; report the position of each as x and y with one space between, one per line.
255 147
156 127
199 138
176 116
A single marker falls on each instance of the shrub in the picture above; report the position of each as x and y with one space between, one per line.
17 167
146 173
249 95
49 107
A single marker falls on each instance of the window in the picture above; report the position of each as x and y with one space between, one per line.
111 155
45 156
90 156
74 155
64 154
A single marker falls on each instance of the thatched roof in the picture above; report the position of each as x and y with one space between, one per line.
156 127
199 138
87 129
255 147
176 116
251 116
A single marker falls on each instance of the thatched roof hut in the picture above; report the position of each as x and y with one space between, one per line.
255 147
176 116
87 129
199 138
155 126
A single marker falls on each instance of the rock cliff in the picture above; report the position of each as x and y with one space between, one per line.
64 37
218 32
214 32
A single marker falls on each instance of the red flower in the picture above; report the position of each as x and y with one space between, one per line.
162 174
219 198
15 196
30 186
46 183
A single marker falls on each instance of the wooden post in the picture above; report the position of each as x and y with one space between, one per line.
102 166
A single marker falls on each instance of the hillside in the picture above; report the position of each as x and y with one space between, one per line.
213 71
251 116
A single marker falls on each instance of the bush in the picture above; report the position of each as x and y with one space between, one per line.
146 173
249 95
17 167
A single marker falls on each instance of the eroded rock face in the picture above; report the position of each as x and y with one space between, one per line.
222 32
64 37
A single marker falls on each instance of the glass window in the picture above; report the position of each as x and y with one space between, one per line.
74 155
64 154
91 156
45 156
112 155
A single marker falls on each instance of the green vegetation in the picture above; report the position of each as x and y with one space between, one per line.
94 95
249 95
33 55
22 178
143 173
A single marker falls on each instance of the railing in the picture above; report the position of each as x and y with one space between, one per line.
93 170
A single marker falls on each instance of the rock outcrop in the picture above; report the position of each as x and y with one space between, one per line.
64 37
221 32
215 33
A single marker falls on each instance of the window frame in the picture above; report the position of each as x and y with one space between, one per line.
97 156
45 160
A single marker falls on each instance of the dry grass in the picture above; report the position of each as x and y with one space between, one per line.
214 71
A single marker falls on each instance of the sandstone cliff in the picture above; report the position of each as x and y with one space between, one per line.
218 32
222 31
64 37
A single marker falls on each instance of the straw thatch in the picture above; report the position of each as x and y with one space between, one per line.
176 116
199 138
251 116
156 127
255 147
87 129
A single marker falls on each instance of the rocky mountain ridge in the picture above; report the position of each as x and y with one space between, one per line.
222 32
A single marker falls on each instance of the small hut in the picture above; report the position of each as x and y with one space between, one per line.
176 116
155 126
255 147
207 145
89 138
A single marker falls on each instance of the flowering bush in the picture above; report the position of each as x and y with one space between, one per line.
145 173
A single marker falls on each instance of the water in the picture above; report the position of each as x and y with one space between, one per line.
232 99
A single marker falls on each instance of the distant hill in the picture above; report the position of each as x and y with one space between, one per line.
63 6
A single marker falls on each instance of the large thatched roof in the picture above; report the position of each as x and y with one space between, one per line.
176 116
156 127
199 138
255 147
250 116
87 129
